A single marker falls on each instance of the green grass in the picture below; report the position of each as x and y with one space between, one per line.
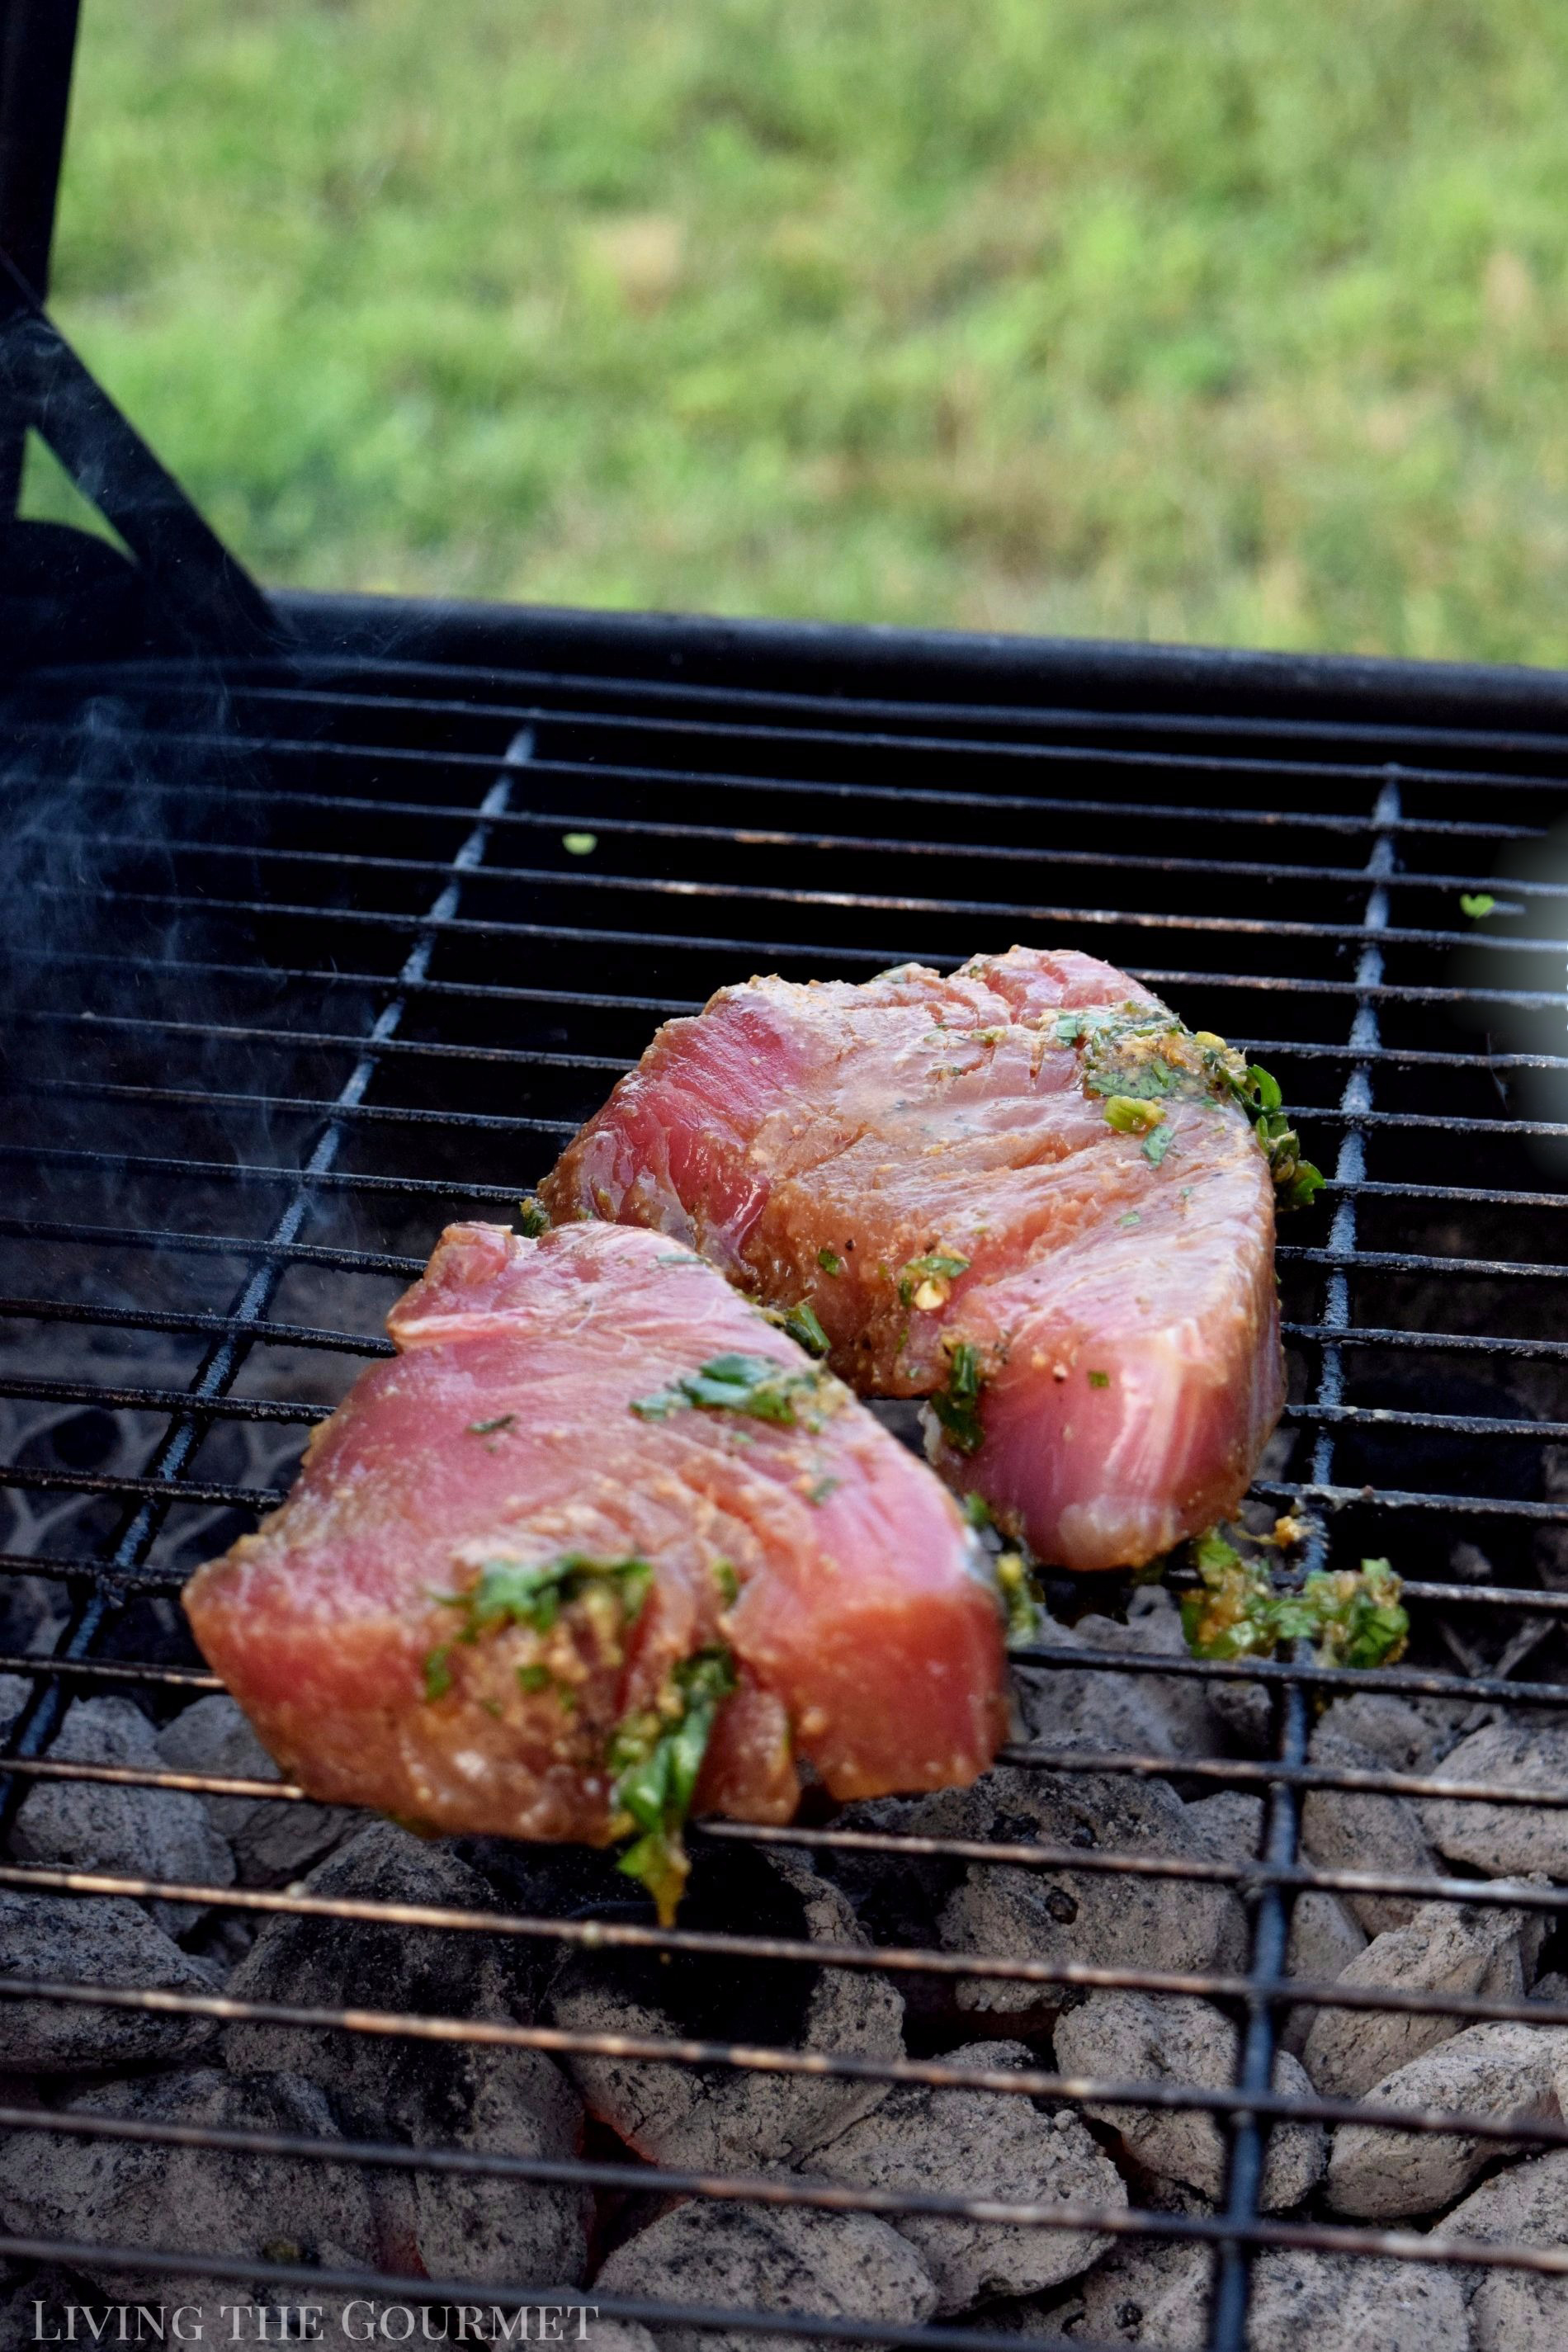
1244 323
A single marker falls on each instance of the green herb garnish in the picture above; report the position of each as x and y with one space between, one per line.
1131 1115
534 1678
532 1218
937 1268
1100 1380
723 1574
488 1428
1137 1056
507 1592
977 1511
1352 1617
820 1489
1020 1602
957 1406
438 1673
656 1757
580 845
1477 904
802 1324
829 1260
736 1383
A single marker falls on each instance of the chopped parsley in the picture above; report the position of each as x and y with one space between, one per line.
1477 904
1132 1115
829 1260
1100 1380
756 1385
656 1757
723 1574
1138 1055
1352 1617
957 1406
1020 1603
532 1218
507 1592
1132 1217
924 1281
801 1322
977 1511
489 1428
580 845
438 1673
534 1678
820 1489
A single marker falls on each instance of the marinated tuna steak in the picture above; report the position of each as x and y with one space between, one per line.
598 1544
1024 1191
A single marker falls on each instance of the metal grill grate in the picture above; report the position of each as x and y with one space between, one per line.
306 965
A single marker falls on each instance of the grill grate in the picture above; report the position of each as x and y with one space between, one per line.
305 966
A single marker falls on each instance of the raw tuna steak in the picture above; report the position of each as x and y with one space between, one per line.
601 1542
1024 1191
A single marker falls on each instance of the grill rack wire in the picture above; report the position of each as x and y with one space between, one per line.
199 855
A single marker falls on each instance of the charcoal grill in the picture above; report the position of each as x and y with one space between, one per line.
305 965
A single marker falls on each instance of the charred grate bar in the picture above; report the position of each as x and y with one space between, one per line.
308 963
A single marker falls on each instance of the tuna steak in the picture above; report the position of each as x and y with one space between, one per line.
1024 1191
601 1539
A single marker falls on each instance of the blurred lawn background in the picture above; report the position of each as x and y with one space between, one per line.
1243 323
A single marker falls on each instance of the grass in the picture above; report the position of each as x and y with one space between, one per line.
1244 325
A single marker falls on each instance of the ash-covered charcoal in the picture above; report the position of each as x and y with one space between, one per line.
190 2200
1096 1916
492 2101
1107 1710
1133 2037
54 2293
1405 1737
1145 2291
1230 1825
333 1963
718 2116
1504 1840
1339 2302
1323 1941
94 1939
160 1834
608 2335
12 1699
1527 2205
1344 1830
788 2259
272 1842
981 2144
1448 1948
1499 2071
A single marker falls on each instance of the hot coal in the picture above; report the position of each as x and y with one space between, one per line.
1505 1838
160 1834
93 1940
718 2116
1527 2205
771 2258
195 2201
1499 2071
981 2144
1344 1829
1128 2037
1445 1949
271 1843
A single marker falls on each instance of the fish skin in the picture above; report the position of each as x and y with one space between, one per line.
320 1623
920 1111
